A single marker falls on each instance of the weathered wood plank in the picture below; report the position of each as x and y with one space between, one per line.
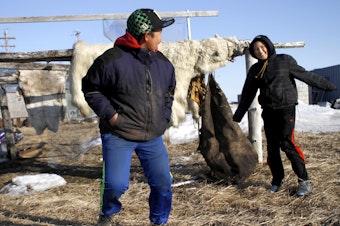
289 45
66 55
35 19
6 117
8 80
34 66
6 74
48 56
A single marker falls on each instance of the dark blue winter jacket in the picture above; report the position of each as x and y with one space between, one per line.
136 83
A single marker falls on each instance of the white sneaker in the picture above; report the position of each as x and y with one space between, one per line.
304 188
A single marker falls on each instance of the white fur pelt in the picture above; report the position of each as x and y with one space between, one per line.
82 58
189 57
44 94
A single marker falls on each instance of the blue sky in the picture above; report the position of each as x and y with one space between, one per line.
315 22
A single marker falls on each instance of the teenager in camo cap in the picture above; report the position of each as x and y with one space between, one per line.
131 89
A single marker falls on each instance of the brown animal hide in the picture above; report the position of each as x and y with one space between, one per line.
224 146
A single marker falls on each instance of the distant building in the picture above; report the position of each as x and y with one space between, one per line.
15 102
16 105
332 74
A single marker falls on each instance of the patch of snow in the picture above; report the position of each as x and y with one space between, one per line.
33 183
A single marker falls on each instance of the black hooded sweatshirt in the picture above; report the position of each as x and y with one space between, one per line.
277 85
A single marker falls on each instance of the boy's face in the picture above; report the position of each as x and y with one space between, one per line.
152 40
260 51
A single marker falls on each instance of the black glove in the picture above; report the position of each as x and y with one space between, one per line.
237 117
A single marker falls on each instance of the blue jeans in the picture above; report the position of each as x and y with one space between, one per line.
153 156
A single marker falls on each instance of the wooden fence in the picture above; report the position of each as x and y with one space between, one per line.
40 60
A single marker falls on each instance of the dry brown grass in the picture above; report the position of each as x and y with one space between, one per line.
201 203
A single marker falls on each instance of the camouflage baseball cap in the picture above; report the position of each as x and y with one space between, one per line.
145 20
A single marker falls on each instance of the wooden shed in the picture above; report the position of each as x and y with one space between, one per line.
16 106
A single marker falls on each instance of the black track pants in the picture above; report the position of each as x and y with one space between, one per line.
279 128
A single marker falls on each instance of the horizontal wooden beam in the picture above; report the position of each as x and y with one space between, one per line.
35 19
49 55
66 55
289 45
35 66
8 80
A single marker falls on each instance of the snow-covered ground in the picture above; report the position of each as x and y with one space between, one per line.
309 118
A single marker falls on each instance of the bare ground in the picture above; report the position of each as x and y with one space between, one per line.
198 203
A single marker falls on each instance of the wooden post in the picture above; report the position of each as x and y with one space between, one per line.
254 116
6 118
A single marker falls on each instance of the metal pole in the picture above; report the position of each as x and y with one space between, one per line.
189 27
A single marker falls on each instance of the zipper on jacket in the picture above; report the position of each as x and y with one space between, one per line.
148 101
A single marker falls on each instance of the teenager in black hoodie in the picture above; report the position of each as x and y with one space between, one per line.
275 74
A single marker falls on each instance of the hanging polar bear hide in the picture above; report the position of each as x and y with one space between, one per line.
189 57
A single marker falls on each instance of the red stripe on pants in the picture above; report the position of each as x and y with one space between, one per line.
297 148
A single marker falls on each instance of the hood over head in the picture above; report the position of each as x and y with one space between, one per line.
266 41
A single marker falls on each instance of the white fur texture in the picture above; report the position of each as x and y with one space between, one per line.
82 59
189 57
41 82
44 93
